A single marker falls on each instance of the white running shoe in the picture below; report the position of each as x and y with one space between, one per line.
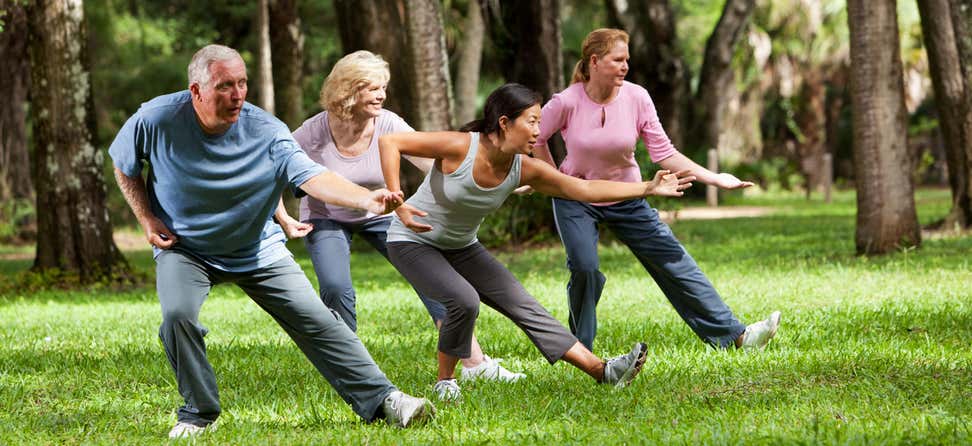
403 410
183 429
447 390
490 370
621 370
759 334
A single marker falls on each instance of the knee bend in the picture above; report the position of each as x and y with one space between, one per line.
466 309
331 292
172 316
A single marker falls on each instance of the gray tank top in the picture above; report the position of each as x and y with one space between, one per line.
455 203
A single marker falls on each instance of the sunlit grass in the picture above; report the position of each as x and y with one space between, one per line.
872 351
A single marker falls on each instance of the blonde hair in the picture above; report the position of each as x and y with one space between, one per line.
350 75
598 43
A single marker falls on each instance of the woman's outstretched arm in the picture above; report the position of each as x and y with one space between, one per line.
547 180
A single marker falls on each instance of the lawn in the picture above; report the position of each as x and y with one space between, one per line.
871 351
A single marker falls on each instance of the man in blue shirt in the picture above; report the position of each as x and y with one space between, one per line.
217 167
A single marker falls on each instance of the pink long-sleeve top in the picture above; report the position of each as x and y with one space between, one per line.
601 138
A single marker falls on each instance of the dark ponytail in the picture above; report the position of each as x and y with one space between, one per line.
509 100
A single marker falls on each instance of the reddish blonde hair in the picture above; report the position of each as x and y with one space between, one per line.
598 43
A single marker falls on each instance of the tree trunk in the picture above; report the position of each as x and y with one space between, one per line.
529 47
811 118
428 66
716 76
71 211
287 55
656 61
264 65
470 58
14 84
886 217
953 100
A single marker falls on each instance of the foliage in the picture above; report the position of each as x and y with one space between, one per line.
871 351
15 215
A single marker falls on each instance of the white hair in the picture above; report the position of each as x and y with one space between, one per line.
199 66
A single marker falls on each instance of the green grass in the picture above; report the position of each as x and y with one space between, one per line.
871 351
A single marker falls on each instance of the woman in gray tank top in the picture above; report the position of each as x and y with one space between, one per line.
432 239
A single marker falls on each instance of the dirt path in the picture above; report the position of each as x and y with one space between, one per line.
714 213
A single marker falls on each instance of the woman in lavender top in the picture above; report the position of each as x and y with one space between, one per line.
344 138
601 117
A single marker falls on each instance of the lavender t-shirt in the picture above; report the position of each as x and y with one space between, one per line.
601 138
314 136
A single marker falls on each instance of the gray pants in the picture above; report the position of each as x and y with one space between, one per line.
460 279
282 290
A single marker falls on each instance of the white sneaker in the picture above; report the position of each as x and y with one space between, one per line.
759 334
186 430
403 410
447 390
621 370
490 370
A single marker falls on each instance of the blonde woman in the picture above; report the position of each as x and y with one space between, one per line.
344 138
600 117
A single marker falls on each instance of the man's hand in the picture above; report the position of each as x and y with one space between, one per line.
407 214
383 201
157 234
293 228
667 184
729 181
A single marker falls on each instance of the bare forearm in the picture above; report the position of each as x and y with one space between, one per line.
679 162
390 162
281 213
133 189
332 188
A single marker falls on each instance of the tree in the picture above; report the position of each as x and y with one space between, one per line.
15 181
287 56
656 61
68 170
953 99
469 63
428 66
716 75
886 217
527 37
264 65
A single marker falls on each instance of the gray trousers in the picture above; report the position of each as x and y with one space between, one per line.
637 225
282 290
460 279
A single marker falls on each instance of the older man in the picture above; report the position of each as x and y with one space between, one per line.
217 168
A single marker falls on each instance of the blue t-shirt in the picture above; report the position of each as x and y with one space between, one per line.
216 193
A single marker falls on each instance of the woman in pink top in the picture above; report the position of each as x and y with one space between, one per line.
344 138
600 117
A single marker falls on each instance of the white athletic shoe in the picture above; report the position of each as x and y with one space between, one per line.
186 430
490 370
403 410
759 334
621 370
447 390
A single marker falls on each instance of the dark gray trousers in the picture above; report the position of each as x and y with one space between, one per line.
183 282
460 279
329 245
637 225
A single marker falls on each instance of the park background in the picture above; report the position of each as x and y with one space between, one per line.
854 118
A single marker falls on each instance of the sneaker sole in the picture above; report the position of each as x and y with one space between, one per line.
630 374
